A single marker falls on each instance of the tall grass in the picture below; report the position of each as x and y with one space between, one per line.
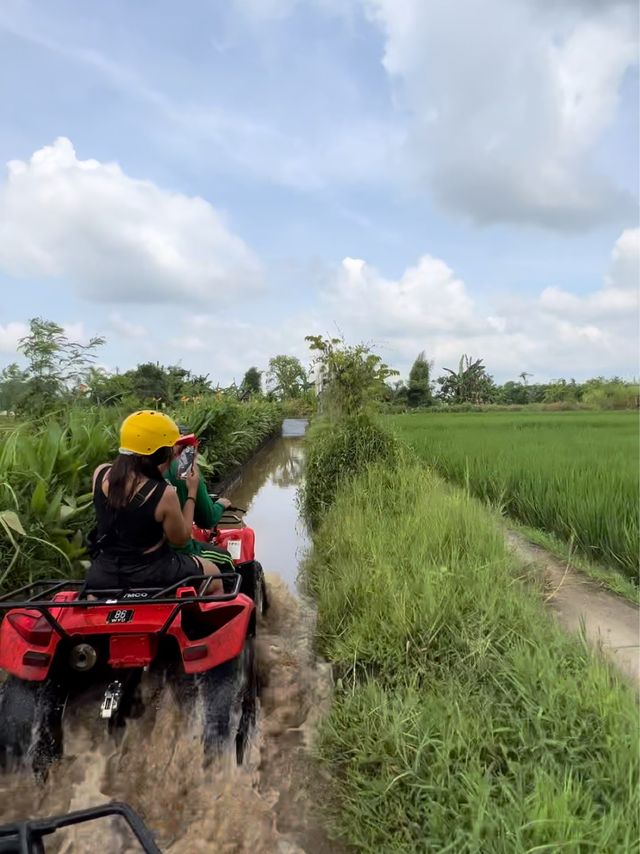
464 720
337 450
574 475
46 469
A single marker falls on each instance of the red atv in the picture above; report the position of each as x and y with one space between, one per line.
60 641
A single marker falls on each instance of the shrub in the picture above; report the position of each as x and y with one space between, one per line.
340 449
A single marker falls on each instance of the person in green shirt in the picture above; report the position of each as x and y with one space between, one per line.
207 513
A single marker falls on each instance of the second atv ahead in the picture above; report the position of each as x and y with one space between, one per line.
60 642
233 534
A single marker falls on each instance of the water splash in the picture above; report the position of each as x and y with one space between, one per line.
268 804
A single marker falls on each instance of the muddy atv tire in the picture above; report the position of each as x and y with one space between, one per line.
229 695
253 585
31 731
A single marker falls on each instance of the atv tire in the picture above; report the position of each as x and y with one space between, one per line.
253 585
31 731
229 693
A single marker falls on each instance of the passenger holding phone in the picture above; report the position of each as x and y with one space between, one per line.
142 533
207 512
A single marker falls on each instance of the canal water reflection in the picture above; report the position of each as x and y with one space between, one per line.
268 489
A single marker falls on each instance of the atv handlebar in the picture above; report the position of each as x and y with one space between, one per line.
26 837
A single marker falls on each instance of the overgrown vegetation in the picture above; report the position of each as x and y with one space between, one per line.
337 450
571 474
350 376
463 719
46 468
347 438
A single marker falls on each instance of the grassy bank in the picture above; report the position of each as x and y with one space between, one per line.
463 720
46 469
572 474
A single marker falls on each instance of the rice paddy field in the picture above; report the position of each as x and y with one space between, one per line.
571 474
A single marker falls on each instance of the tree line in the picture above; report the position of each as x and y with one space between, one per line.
471 384
59 370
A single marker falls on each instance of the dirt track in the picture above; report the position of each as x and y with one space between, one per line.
611 623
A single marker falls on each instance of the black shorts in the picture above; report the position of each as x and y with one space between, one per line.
106 573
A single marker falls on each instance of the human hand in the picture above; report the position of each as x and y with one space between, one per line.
224 501
193 480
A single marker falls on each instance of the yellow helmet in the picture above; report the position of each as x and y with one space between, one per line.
146 431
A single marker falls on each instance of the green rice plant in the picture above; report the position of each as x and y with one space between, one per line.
572 474
463 720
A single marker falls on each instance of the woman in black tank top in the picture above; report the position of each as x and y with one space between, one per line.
138 513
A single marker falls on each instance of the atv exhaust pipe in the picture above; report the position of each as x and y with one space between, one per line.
83 657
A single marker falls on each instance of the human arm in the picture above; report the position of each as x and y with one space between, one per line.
207 511
100 468
177 521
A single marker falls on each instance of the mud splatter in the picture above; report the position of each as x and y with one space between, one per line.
266 805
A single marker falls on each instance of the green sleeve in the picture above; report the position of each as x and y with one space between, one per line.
207 513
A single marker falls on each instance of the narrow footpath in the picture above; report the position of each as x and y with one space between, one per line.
611 623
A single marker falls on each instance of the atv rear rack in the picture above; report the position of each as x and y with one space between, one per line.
26 837
115 596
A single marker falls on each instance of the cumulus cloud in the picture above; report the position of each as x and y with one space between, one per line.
426 299
115 237
508 99
556 333
617 301
10 335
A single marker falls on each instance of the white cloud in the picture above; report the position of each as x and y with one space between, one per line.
556 333
125 328
10 335
509 98
115 237
617 300
427 298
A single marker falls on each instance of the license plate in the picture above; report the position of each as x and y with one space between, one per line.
234 547
122 615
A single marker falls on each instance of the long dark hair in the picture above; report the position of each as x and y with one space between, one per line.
128 469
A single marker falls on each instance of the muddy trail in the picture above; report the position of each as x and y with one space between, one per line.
610 623
267 804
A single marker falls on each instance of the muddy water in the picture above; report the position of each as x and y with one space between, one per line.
265 805
267 489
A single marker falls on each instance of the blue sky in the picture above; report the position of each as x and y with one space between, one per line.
209 183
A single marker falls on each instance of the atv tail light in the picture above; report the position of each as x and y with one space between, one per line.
32 627
195 653
36 659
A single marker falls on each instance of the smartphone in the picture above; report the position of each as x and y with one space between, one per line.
186 461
